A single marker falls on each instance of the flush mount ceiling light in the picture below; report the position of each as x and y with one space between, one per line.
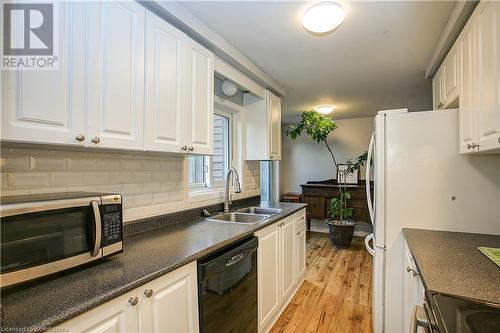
229 88
323 17
325 109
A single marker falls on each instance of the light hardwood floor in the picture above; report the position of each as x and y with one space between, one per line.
336 294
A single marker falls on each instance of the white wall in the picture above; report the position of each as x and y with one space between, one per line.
304 160
151 184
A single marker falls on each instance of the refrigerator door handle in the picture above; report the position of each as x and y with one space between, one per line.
367 178
367 244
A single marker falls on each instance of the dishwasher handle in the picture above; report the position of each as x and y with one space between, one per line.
226 260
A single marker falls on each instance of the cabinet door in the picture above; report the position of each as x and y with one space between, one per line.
274 123
436 91
467 86
449 73
169 304
300 252
115 89
201 115
47 106
165 92
488 87
287 255
115 316
268 265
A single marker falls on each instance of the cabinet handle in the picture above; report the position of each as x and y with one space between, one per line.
96 139
191 148
408 269
133 301
298 233
148 292
184 148
469 146
499 139
80 137
271 157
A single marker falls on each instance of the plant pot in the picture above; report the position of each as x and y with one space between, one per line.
341 232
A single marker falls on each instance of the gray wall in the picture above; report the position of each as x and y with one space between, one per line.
304 160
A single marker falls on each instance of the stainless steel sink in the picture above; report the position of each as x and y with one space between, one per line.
261 211
239 217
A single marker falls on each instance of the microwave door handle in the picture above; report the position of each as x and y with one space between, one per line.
367 177
98 228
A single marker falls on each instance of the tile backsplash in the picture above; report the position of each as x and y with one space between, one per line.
150 184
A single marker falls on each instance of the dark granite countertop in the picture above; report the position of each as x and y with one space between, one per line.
146 256
450 263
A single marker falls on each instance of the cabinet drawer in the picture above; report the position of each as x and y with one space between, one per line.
300 221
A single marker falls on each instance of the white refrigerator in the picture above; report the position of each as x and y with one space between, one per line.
421 181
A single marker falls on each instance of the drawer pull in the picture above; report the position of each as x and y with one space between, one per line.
133 301
148 292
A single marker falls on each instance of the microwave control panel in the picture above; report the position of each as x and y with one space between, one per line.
111 218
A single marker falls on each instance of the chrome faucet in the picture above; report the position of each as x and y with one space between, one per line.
236 180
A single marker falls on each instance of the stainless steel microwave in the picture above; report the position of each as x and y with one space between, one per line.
48 233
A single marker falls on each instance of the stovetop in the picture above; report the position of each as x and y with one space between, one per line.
458 315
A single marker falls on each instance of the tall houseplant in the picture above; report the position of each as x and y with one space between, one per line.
318 127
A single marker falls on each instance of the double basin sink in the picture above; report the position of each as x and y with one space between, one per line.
249 215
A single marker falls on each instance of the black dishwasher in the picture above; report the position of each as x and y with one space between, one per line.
227 289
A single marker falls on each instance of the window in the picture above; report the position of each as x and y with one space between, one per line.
209 171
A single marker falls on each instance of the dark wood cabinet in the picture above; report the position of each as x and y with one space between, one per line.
319 194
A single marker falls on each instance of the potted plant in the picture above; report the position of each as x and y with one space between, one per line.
318 126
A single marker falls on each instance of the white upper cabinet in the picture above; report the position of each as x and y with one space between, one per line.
437 96
47 106
126 80
274 116
466 69
449 77
470 78
115 49
166 93
201 103
263 127
488 75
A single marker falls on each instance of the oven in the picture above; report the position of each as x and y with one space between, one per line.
45 234
444 313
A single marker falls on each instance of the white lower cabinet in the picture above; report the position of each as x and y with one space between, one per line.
167 304
413 290
287 260
281 266
300 246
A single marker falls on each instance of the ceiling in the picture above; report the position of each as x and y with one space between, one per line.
374 61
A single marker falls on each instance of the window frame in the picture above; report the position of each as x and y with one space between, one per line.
208 183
